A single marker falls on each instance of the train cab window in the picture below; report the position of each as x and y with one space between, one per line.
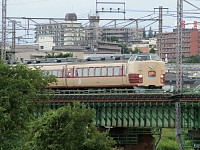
133 58
110 71
103 71
79 72
85 72
97 72
116 71
156 58
91 72
142 58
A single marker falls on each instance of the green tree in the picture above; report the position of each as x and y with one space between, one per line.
59 55
69 127
152 50
194 59
18 98
113 39
124 49
150 34
136 51
144 34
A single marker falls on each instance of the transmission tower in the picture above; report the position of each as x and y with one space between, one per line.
179 73
3 44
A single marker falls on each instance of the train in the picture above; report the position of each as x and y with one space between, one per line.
140 71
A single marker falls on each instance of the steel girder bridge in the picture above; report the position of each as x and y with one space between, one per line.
134 117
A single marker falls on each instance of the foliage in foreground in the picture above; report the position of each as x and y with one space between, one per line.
69 127
18 95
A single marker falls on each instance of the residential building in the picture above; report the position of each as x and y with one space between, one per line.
68 33
144 45
122 33
190 44
45 42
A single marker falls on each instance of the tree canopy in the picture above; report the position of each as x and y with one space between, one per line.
59 55
152 50
194 59
18 95
124 49
136 51
69 127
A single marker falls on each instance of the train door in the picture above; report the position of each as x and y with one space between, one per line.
69 77
124 72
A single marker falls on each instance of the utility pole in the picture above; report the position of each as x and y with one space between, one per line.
179 73
160 30
13 42
3 37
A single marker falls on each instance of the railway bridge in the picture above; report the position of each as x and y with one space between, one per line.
134 118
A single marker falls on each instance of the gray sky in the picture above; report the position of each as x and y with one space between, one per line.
134 9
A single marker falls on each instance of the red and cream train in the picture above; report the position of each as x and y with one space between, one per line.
140 71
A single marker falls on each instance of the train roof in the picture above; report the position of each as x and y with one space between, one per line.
90 60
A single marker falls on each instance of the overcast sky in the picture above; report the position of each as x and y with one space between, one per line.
134 9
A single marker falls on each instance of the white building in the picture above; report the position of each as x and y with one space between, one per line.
45 42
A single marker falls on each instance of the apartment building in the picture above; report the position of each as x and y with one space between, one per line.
190 44
67 33
123 34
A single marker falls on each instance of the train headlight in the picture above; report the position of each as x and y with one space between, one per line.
162 76
140 76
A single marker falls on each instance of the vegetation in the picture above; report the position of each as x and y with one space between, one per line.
150 33
59 55
136 51
124 49
70 127
18 88
152 50
194 59
112 39
20 126
168 141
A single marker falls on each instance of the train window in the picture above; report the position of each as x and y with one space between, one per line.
155 57
110 71
97 71
103 71
132 58
45 73
79 72
116 71
91 72
55 73
85 72
142 58
59 73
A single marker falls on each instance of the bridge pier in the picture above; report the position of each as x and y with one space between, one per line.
145 142
129 138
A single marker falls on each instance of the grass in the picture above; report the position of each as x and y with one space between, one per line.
168 141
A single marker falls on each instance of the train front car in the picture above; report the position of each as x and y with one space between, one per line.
147 71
